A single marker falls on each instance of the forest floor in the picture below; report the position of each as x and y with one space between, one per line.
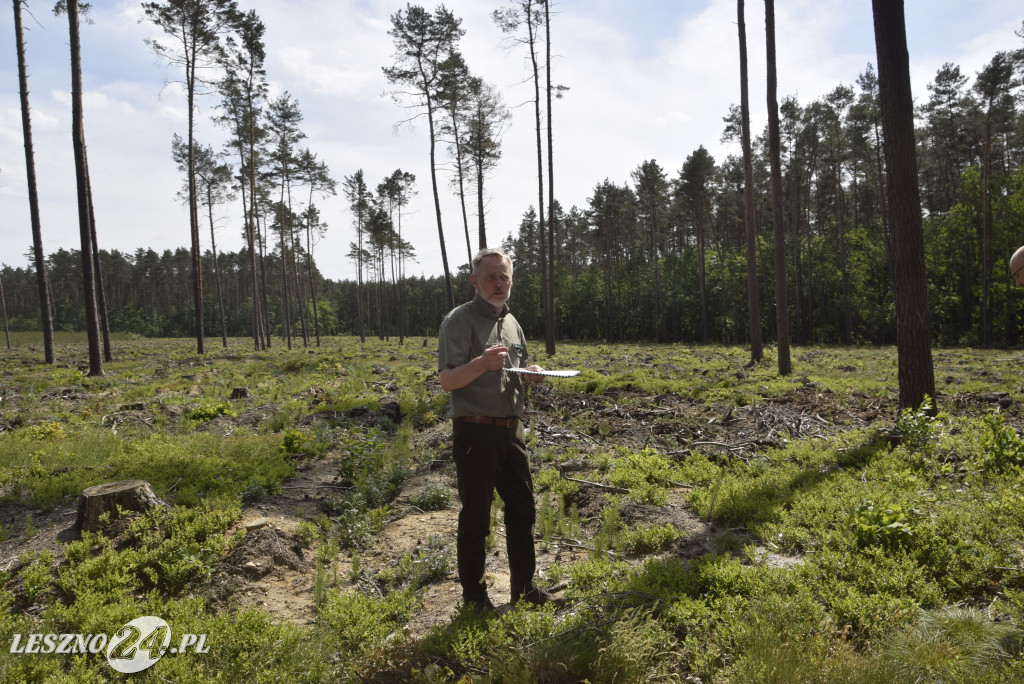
272 568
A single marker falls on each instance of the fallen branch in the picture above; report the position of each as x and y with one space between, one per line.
318 486
570 543
586 437
730 447
595 484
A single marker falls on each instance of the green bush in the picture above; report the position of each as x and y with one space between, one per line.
916 427
433 496
646 474
434 561
1002 447
889 526
210 410
650 539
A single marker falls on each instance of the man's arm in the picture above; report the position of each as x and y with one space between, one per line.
492 359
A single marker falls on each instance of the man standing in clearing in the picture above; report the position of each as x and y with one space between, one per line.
476 341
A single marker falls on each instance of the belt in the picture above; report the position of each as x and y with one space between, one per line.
487 420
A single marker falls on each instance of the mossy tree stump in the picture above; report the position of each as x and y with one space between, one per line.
129 495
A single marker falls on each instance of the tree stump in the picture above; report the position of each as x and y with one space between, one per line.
129 495
240 393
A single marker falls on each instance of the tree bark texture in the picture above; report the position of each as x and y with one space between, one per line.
778 225
753 308
33 196
84 210
913 340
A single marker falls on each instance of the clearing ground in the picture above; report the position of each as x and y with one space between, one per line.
274 570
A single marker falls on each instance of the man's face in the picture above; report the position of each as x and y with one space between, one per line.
493 280
1018 275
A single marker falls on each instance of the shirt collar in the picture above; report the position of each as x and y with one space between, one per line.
481 305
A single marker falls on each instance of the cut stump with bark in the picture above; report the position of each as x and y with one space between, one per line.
128 495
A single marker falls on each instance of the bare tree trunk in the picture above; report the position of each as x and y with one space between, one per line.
461 177
437 205
549 333
262 234
359 303
300 295
887 236
379 295
913 336
846 322
101 293
250 242
3 307
794 189
193 208
986 236
81 172
259 330
312 281
550 304
778 219
401 280
286 330
216 277
756 351
702 271
481 224
46 317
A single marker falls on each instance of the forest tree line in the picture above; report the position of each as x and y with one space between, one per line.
659 256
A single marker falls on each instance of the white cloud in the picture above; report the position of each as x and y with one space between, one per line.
648 80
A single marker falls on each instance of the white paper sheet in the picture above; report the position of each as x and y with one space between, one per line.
549 373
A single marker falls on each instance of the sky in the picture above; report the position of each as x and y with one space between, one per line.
647 79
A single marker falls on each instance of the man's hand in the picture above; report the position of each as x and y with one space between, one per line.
494 357
534 380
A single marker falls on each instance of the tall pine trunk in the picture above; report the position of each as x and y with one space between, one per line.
216 278
550 317
986 235
754 311
309 272
82 181
3 308
46 316
437 206
778 218
913 336
193 204
101 294
549 325
286 330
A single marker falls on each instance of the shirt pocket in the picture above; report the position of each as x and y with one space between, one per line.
517 354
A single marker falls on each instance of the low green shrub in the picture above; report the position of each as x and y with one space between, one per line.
434 561
888 526
210 410
650 538
1002 447
433 496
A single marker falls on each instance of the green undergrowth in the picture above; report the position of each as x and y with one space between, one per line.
872 555
52 466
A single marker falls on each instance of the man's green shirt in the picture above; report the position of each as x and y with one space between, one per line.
465 332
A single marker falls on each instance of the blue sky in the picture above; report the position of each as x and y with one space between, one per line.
649 80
